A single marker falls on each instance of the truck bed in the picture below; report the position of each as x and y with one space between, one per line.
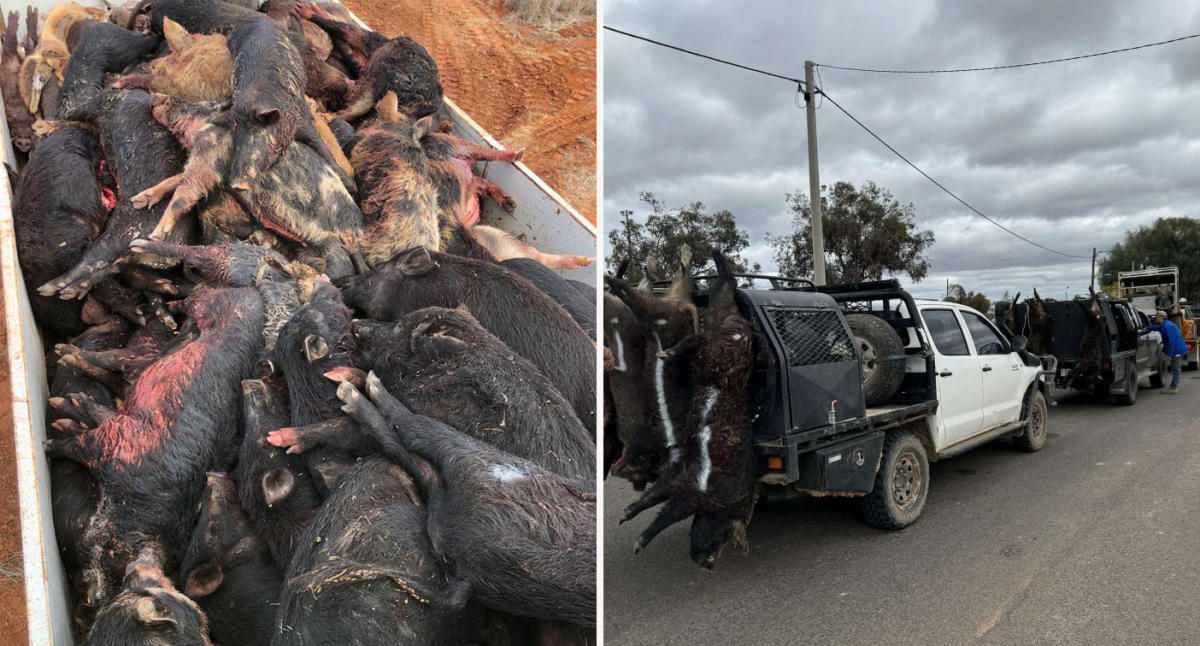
792 445
545 219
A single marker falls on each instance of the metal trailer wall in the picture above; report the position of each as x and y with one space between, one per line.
543 216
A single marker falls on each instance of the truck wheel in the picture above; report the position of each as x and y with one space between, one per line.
1034 437
1129 397
876 341
901 484
1159 378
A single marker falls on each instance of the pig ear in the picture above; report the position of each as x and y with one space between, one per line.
315 348
149 614
266 116
203 580
415 261
444 344
177 37
462 307
422 127
277 484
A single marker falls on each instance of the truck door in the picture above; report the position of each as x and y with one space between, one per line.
1000 369
959 382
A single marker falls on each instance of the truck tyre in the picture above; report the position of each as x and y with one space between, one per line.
901 484
1034 437
1129 397
1159 378
876 341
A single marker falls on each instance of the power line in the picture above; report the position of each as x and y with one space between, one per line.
1014 65
939 184
860 124
706 56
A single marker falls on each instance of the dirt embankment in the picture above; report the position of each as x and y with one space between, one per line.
529 87
12 584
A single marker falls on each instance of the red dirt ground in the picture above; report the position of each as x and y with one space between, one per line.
528 87
12 586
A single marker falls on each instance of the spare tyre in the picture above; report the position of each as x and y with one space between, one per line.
882 352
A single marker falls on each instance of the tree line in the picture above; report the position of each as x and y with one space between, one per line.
869 234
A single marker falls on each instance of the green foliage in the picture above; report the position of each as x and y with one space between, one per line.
665 232
867 234
1168 242
971 299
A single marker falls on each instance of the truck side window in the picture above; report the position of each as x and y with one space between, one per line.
986 339
946 333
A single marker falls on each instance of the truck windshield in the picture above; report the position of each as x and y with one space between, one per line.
947 334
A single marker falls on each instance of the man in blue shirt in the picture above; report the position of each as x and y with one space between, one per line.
1173 346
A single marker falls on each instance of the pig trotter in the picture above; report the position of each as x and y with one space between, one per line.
338 432
674 512
156 193
146 281
134 82
497 194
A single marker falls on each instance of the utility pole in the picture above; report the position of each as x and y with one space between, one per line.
628 235
1092 285
814 178
947 290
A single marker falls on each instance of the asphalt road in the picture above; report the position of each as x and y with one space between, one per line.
1094 540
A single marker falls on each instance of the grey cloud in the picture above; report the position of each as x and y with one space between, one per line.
1071 155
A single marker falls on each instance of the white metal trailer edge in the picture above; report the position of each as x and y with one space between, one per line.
542 216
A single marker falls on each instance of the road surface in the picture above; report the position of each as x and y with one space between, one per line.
1093 540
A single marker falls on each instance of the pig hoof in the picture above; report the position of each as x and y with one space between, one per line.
509 204
374 386
348 394
49 289
143 200
638 546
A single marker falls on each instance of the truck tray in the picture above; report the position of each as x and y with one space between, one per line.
791 446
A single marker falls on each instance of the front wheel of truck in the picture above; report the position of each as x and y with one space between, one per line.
901 484
1034 437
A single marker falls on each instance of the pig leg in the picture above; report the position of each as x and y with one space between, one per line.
472 152
674 512
485 187
156 193
505 246
120 299
373 423
339 432
31 29
662 489
106 377
160 311
147 281
134 82
72 407
82 408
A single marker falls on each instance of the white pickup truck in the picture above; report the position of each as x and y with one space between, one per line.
858 387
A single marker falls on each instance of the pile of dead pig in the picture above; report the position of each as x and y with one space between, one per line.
676 407
299 395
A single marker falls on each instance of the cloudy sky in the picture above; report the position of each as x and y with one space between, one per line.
1070 155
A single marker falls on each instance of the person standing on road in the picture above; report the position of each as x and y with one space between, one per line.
1173 346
